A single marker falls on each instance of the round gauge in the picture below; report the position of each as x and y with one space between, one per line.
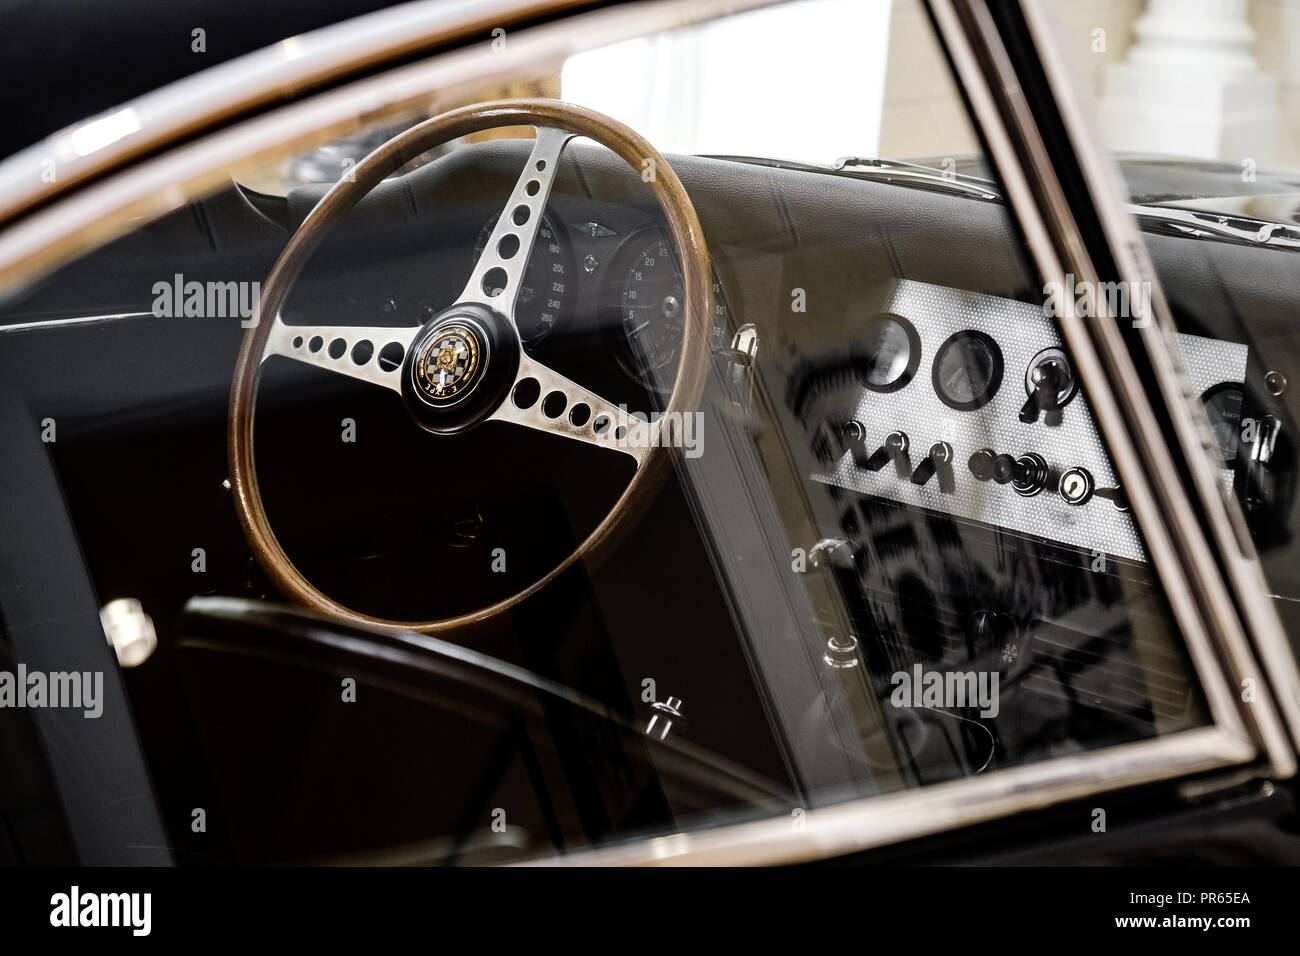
652 306
1223 407
967 370
545 289
886 353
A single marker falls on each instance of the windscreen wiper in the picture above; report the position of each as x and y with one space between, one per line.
898 170
1199 224
888 170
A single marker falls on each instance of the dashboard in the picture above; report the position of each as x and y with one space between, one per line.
637 278
967 404
605 275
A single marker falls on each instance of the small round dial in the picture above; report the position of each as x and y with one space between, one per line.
967 370
886 353
544 292
1223 407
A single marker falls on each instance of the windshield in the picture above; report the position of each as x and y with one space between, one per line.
776 84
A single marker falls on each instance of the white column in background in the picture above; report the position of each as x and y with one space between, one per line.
1191 87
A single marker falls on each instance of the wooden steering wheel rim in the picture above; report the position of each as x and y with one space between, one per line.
692 368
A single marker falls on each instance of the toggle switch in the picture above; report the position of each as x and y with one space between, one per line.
853 439
1049 383
1115 496
894 449
937 462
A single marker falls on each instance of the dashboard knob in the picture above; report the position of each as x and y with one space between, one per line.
667 713
1028 474
1004 469
981 464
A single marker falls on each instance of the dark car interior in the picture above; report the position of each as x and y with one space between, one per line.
904 463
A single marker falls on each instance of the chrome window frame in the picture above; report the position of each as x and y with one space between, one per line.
129 187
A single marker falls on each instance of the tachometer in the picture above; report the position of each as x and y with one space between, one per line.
544 293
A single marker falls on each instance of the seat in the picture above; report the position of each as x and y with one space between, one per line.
333 743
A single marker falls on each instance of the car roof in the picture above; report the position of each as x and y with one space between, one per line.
67 60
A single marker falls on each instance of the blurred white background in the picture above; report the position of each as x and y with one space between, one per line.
1208 79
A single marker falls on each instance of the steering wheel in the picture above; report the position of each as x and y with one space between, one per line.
466 365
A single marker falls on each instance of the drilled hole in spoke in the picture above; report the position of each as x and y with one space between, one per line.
337 348
315 343
508 246
601 424
297 341
580 414
526 393
541 165
532 187
391 355
494 282
363 352
621 433
554 404
520 215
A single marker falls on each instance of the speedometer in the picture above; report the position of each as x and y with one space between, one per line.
544 292
652 305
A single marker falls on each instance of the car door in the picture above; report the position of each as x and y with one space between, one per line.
928 604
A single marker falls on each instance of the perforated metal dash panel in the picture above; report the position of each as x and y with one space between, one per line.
1021 331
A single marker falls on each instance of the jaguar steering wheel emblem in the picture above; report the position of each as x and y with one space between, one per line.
449 364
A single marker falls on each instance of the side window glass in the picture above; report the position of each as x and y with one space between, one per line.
887 548
1197 104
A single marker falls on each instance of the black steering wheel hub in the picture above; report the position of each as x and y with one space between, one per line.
459 367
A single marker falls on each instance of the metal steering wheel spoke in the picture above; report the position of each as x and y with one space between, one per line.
561 406
372 355
497 275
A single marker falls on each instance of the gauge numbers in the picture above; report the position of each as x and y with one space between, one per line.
652 308
544 291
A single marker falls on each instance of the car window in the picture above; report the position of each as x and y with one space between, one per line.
883 547
1215 187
